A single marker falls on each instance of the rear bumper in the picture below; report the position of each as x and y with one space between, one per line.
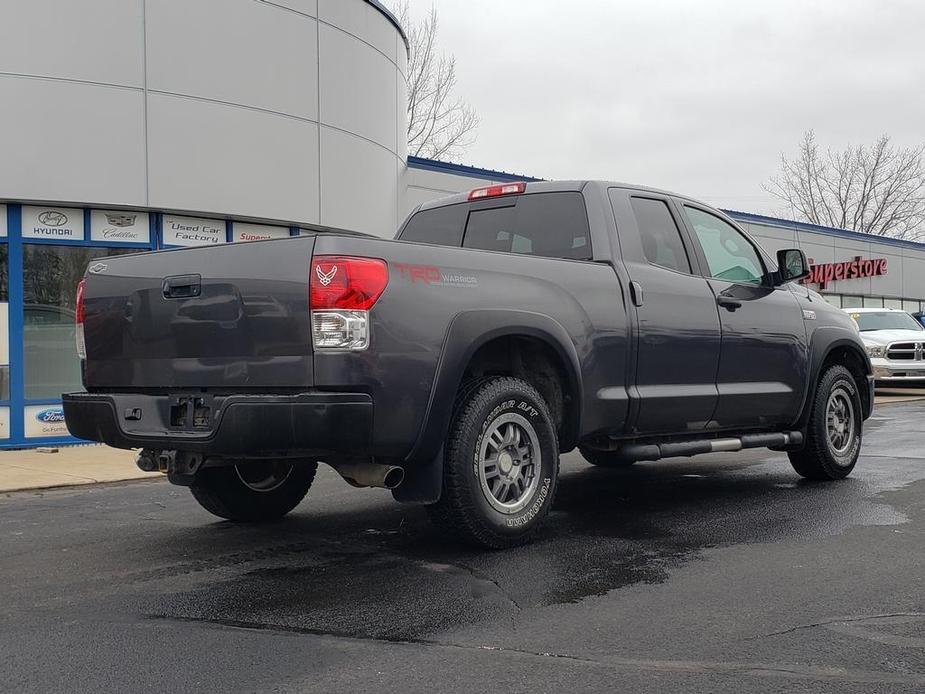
307 423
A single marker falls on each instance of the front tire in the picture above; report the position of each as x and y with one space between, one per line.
253 492
501 465
833 433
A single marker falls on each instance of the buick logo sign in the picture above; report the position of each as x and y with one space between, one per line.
53 218
50 415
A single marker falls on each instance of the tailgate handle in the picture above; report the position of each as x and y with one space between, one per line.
182 286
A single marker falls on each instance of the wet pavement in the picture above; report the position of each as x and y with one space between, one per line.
721 573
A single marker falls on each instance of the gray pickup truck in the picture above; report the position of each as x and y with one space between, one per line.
454 364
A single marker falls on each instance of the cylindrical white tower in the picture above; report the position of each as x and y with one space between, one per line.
290 110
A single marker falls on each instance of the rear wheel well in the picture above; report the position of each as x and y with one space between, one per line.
540 365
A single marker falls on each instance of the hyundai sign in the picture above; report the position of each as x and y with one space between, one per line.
57 223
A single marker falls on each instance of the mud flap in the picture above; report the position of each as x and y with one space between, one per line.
423 483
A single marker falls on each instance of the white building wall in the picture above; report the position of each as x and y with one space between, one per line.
223 107
904 279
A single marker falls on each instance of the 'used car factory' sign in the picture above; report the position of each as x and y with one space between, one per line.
847 270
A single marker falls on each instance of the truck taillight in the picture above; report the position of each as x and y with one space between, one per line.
498 190
341 291
79 320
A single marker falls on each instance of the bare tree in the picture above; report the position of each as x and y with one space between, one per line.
877 189
440 125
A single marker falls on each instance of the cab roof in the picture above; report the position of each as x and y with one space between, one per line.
575 186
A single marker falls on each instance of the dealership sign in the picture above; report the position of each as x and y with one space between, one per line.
44 420
59 223
2 220
858 268
241 231
120 226
192 231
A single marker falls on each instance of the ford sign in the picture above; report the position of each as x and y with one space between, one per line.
52 414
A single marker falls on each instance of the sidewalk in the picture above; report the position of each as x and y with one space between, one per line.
71 465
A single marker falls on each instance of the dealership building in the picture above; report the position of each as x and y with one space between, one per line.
133 125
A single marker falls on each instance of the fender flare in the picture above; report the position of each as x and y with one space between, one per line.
466 334
824 341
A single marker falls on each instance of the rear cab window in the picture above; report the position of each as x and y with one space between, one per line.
442 226
552 225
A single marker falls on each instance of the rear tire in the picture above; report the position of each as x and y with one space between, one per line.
611 459
254 492
501 465
833 432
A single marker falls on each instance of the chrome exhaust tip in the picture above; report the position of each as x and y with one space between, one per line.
370 474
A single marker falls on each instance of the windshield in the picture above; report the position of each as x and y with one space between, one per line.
887 320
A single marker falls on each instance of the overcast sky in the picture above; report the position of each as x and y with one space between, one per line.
698 96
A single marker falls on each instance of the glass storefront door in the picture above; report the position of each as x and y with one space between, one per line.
50 277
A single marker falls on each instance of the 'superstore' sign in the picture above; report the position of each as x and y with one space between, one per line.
858 268
242 231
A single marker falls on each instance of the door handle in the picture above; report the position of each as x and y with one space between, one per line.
636 293
728 303
182 286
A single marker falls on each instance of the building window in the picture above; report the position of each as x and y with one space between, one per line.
852 302
4 333
50 277
873 302
834 299
892 303
910 306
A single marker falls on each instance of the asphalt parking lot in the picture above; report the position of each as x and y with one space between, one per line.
722 573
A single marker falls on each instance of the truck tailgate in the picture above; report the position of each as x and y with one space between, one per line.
226 318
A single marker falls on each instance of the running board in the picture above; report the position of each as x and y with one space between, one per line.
638 451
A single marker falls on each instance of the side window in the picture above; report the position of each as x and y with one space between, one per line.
729 254
442 226
661 239
554 225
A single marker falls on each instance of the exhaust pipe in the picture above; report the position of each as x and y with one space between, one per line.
370 474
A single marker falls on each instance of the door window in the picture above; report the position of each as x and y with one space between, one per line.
730 256
661 239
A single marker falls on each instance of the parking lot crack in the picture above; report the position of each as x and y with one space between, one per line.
838 620
608 661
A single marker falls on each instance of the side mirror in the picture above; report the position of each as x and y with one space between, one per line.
791 265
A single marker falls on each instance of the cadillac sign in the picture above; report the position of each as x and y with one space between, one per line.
116 226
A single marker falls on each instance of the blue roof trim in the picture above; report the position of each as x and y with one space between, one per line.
818 229
392 18
461 170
